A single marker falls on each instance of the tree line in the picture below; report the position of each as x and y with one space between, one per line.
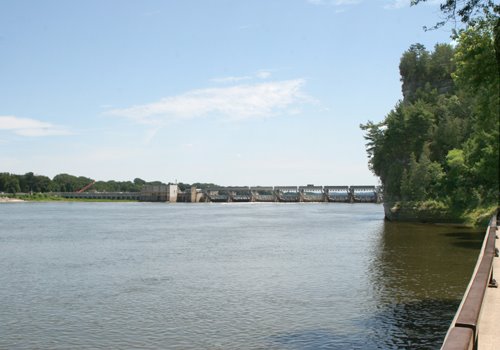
32 183
440 143
29 183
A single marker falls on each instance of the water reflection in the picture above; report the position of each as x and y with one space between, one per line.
393 326
419 273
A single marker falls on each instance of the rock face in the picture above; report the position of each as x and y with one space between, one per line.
410 212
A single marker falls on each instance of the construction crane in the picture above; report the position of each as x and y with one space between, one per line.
86 187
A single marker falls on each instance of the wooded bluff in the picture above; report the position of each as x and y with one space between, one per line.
437 150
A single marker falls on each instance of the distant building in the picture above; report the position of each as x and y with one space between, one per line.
159 193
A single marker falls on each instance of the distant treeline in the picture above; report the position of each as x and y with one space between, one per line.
29 182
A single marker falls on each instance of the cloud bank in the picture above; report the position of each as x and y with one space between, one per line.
30 127
238 102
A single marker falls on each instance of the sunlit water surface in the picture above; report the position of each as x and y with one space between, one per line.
226 276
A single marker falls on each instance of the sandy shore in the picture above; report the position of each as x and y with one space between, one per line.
10 200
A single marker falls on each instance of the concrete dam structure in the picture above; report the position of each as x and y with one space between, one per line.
148 193
309 193
286 194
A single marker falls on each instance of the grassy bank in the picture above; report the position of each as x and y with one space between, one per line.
480 216
432 211
42 197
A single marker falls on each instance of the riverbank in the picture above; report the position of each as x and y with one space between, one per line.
436 213
10 200
40 197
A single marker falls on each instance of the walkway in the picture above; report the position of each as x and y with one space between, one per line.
489 335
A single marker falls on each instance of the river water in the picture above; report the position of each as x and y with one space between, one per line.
226 276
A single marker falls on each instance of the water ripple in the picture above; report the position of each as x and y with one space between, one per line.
137 275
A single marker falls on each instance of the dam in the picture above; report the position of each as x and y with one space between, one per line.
285 194
236 194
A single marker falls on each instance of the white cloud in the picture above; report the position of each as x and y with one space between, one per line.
397 4
234 103
261 74
30 127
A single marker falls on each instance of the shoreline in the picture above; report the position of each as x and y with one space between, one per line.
11 200
436 213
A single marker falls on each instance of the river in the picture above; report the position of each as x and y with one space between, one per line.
226 276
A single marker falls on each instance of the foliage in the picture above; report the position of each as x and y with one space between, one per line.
422 72
31 183
69 183
480 216
441 142
9 184
466 10
422 179
117 186
202 185
472 13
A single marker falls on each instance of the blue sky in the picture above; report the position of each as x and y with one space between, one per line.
256 92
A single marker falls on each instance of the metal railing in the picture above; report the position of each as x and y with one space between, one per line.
464 330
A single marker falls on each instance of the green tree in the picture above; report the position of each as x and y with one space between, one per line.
391 144
442 141
458 179
26 182
423 72
441 67
469 12
42 183
475 75
11 185
413 69
139 182
466 10
422 180
70 183
3 178
452 125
